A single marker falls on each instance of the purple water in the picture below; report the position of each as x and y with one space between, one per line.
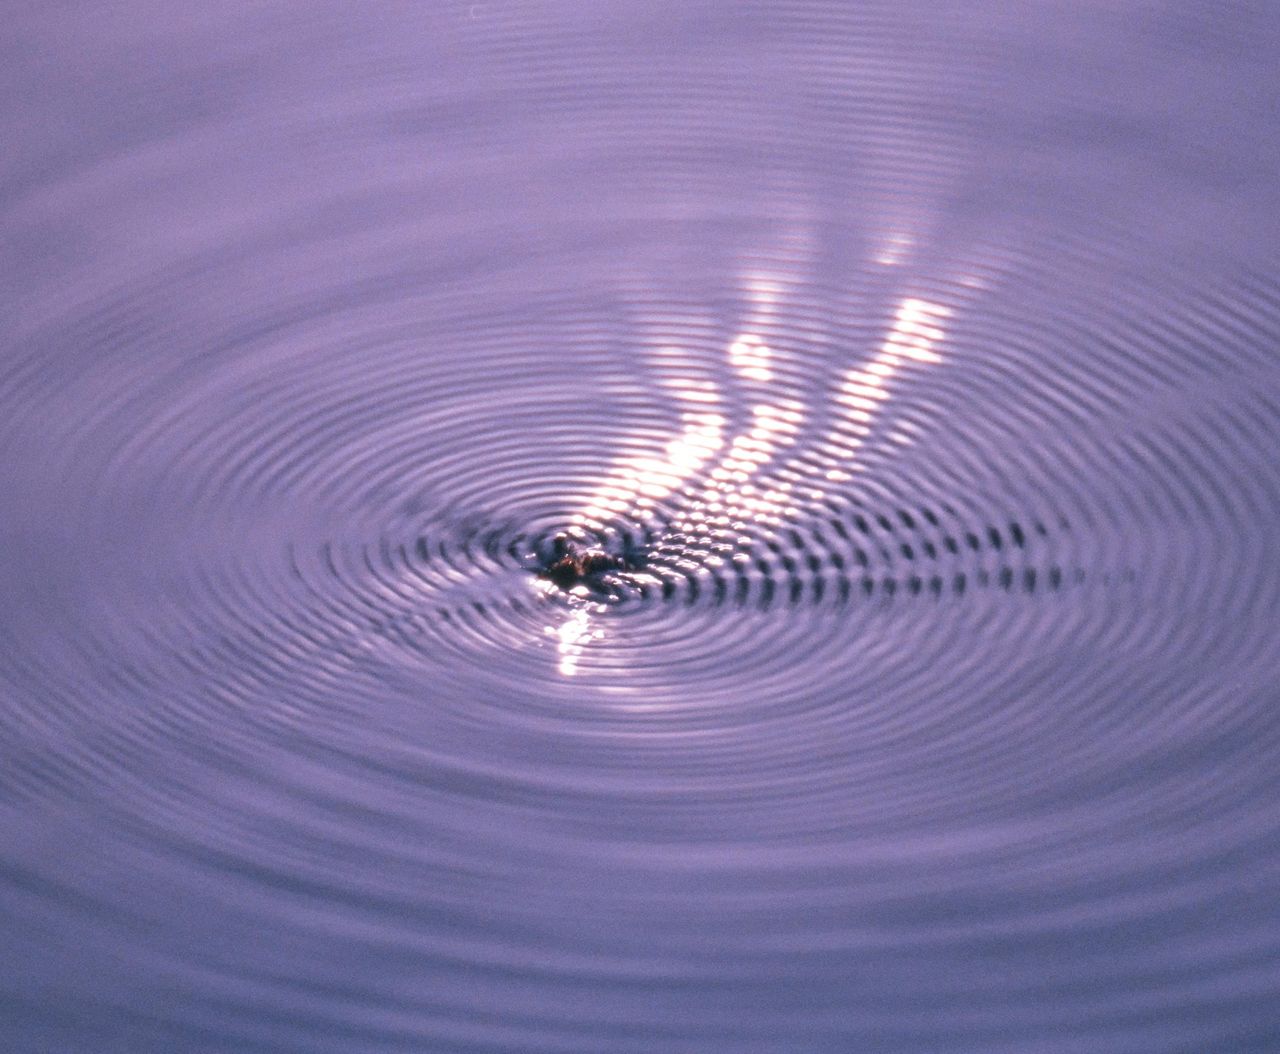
918 366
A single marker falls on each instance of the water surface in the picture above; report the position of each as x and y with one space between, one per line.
921 366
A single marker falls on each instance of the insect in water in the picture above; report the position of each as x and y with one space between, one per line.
576 561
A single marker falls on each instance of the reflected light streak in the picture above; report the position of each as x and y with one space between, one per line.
733 490
636 483
575 631
912 339
750 356
894 249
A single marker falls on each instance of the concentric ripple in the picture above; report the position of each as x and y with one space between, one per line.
639 528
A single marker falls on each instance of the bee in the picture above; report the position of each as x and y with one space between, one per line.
571 565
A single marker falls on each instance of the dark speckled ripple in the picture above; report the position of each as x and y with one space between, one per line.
914 367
